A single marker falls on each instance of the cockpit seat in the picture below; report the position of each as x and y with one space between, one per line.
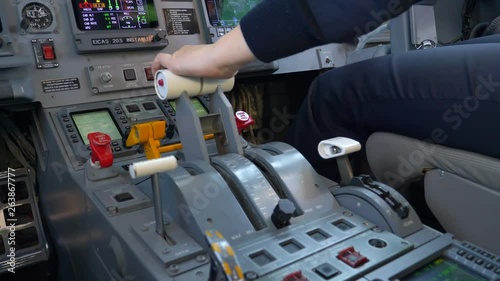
462 189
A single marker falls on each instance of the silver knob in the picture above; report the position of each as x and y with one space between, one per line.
106 77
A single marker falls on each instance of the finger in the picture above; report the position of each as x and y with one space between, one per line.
161 61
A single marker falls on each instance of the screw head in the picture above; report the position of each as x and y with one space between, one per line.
347 214
173 268
250 275
112 209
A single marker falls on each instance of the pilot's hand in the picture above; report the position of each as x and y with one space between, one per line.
197 61
222 59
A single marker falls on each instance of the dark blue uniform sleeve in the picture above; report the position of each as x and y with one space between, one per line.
278 28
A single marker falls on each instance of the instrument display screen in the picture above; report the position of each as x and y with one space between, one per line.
95 121
198 106
115 14
443 269
228 13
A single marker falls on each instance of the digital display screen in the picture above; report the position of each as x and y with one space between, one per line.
95 121
198 106
228 13
443 270
115 14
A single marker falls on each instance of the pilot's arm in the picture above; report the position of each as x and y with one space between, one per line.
278 28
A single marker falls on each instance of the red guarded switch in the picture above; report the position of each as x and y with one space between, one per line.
48 52
296 276
243 120
352 258
149 74
101 155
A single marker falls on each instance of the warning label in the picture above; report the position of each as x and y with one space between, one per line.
181 21
60 85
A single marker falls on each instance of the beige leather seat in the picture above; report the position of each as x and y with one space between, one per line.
462 189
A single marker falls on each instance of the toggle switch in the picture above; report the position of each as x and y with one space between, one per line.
149 74
101 156
352 258
48 52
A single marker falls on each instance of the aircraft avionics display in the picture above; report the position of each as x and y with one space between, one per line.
95 121
200 109
115 14
228 13
116 25
443 269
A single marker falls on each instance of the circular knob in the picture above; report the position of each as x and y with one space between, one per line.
106 77
25 23
282 213
160 36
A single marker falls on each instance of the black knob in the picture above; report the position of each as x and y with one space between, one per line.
1 42
125 138
282 213
170 131
160 36
25 23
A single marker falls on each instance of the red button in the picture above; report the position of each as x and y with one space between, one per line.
48 52
352 258
296 276
149 74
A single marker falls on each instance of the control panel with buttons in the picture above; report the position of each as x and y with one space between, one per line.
115 125
118 77
343 260
475 258
201 104
116 119
138 110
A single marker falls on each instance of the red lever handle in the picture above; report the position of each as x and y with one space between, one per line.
243 120
101 149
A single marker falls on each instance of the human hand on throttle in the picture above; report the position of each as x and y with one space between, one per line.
222 59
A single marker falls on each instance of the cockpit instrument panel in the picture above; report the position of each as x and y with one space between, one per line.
110 25
115 14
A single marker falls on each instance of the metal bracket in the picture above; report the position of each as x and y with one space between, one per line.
325 58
